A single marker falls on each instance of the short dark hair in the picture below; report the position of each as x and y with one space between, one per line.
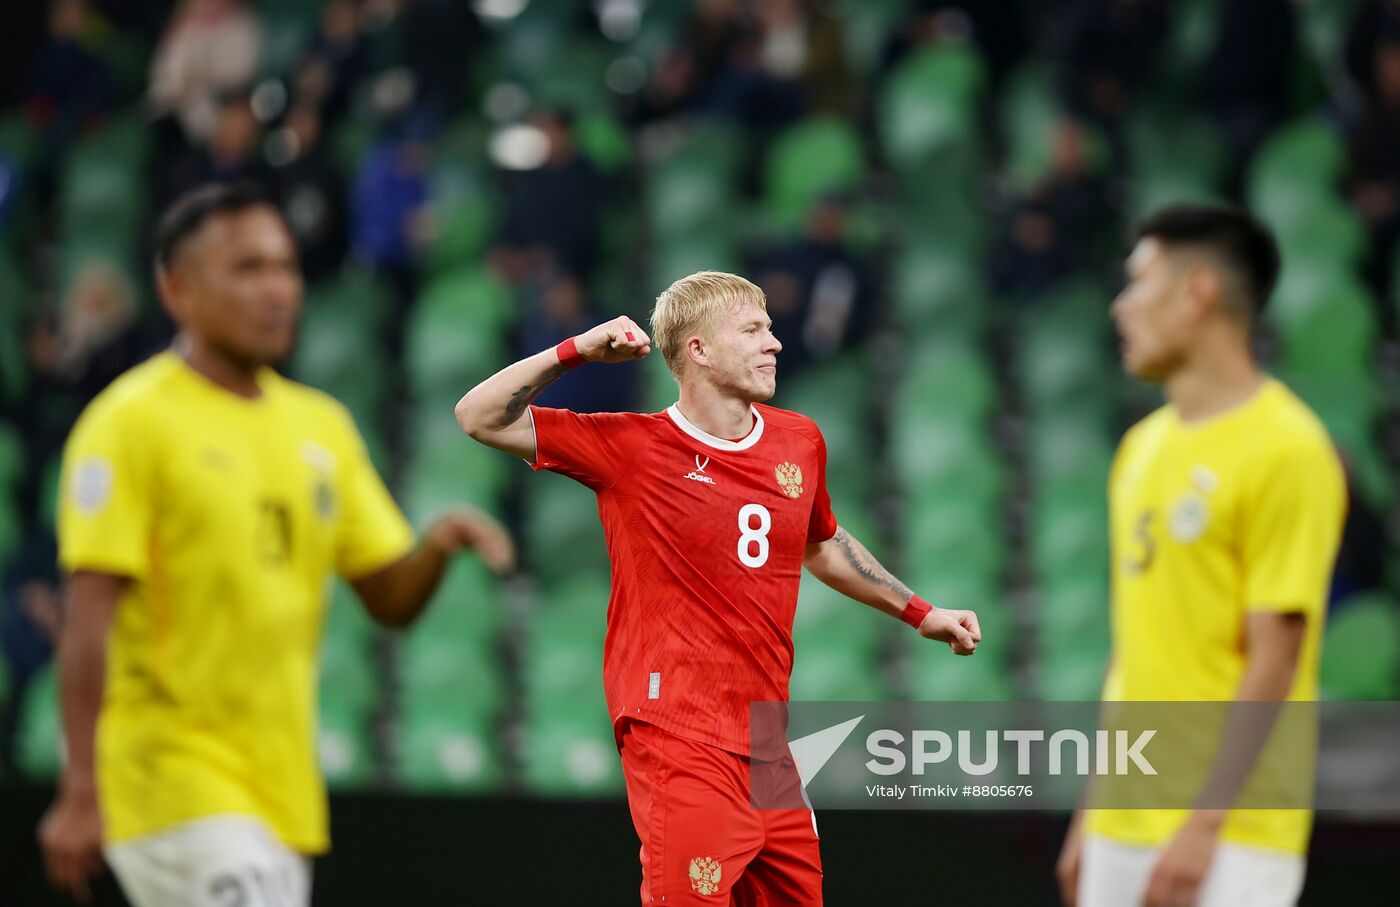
1235 235
189 212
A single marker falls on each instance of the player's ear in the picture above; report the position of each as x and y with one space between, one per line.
695 349
1203 286
172 286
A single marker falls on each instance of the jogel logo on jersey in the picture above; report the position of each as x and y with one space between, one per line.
704 875
789 479
1189 517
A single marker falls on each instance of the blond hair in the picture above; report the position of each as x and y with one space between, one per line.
691 304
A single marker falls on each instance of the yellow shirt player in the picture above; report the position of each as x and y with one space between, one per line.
205 503
1226 509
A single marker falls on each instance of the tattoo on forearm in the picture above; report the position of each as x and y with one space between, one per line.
865 564
522 397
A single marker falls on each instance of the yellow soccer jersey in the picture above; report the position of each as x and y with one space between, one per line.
1210 521
229 515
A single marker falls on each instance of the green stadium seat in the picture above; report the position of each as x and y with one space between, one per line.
1071 530
959 533
825 616
560 670
1306 153
439 751
934 673
690 191
1028 113
463 473
937 288
572 752
1325 317
561 529
811 159
346 620
576 606
836 670
466 606
464 670
1361 650
1168 148
456 334
1316 230
930 101
944 378
39 736
349 677
935 455
345 747
1074 673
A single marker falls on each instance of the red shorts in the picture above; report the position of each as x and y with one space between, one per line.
702 841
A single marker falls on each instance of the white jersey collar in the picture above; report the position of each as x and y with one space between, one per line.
710 440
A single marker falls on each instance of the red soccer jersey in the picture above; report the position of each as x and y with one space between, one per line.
706 538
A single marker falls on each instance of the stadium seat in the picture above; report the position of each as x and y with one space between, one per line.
576 606
1325 317
811 159
439 751
939 455
455 335
466 606
561 529
572 753
462 473
346 619
943 378
824 616
836 670
1313 230
1306 153
933 673
937 288
345 747
434 665
39 736
349 677
930 101
957 533
1361 650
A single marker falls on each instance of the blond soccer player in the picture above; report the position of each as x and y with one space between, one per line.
206 501
1226 508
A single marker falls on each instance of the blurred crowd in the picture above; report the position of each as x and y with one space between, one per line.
346 110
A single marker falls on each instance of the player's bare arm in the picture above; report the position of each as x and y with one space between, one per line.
1273 642
70 834
491 412
845 565
395 595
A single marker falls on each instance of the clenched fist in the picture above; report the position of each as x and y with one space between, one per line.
619 340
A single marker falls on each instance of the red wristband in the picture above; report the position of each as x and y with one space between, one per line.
568 354
915 612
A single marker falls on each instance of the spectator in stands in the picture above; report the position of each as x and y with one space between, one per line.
209 48
820 295
309 191
1375 160
997 27
71 85
1248 76
1375 23
803 44
1106 50
334 61
557 308
232 153
386 201
1052 233
552 213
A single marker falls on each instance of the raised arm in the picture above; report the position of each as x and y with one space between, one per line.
491 412
845 565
